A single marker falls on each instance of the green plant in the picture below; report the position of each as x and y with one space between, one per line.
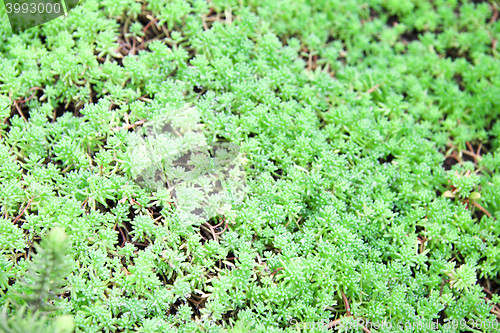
244 166
40 287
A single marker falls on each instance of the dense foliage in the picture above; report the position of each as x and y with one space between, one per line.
369 136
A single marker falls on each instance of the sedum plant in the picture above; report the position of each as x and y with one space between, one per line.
251 166
40 286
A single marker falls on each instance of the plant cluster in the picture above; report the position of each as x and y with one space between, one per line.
366 133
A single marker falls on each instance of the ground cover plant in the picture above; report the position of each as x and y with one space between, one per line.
367 140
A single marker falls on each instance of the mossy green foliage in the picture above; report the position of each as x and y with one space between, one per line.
347 112
42 282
